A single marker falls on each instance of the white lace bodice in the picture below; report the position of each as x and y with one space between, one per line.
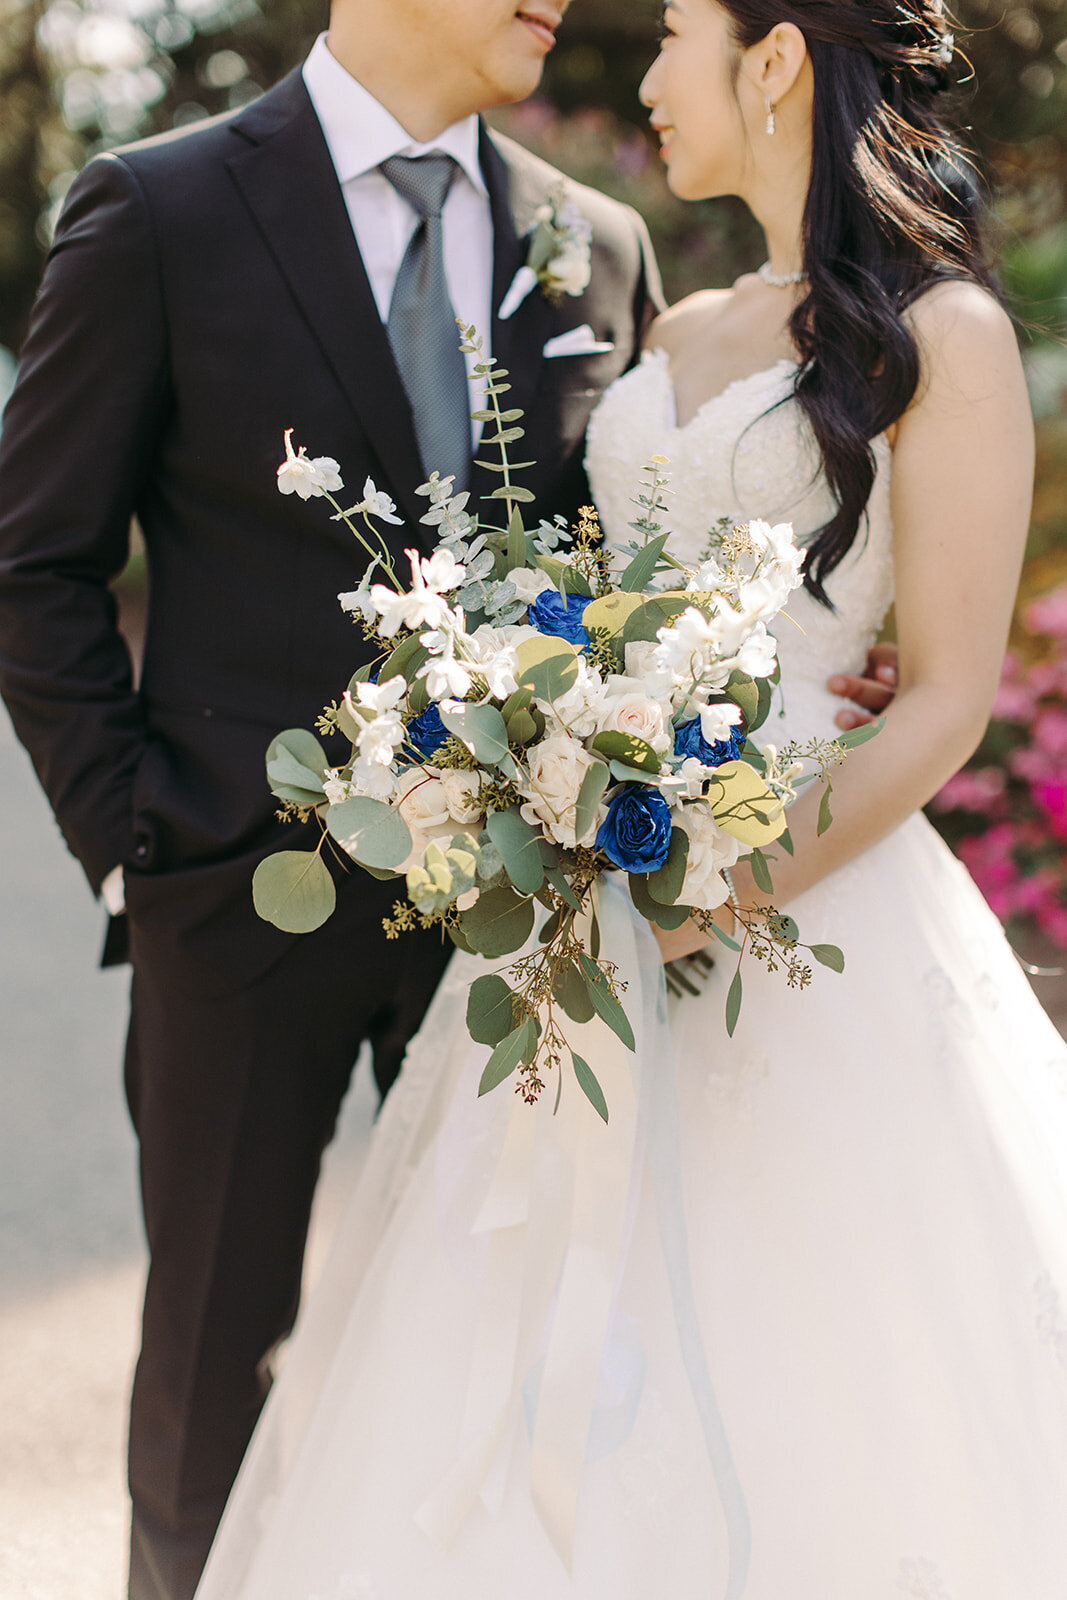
748 452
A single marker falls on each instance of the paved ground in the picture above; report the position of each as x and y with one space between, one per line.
71 1255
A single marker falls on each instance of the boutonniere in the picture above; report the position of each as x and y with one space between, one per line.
560 255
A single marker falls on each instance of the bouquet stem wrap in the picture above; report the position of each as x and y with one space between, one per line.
559 1211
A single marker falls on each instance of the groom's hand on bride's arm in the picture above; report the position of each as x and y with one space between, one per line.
871 693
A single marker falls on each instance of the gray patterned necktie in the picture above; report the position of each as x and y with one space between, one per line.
422 323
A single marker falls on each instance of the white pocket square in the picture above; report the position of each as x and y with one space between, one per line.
576 342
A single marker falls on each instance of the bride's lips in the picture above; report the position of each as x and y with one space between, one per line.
542 24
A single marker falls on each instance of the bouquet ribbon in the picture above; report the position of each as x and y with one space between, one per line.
558 1215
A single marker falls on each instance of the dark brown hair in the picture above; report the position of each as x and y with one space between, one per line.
893 207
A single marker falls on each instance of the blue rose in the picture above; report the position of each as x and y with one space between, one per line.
636 833
690 741
550 613
426 733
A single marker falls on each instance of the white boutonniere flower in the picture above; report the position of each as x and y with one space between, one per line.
560 254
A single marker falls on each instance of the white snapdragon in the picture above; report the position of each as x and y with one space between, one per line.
758 653
373 779
423 605
718 721
380 739
337 789
557 766
440 572
381 696
375 503
685 648
707 579
359 602
528 583
710 850
446 677
307 478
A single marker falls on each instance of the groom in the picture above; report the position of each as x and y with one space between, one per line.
298 264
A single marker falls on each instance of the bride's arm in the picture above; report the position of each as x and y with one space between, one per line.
961 490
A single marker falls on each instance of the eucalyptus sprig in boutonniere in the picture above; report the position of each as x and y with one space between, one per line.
559 257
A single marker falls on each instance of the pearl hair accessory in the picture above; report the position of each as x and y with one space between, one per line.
768 102
778 280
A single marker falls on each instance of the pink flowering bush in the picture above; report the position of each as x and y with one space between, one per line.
1005 814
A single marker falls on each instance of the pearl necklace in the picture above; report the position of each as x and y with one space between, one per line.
776 280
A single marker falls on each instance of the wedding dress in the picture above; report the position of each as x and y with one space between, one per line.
834 1352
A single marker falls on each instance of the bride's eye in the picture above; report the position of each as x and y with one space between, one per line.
665 31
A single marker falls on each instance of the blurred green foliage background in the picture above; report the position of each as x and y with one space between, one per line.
77 76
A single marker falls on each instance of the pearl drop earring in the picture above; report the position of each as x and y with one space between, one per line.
770 115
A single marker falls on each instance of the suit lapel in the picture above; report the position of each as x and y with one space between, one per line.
514 196
287 179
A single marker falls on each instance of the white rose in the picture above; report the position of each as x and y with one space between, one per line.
463 794
528 583
710 849
422 799
635 713
571 270
578 710
557 766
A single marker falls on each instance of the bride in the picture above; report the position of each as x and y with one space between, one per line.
835 1360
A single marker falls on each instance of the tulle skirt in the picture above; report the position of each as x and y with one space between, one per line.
859 1391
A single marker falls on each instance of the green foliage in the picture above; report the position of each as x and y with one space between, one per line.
606 1001
296 762
666 885
664 915
490 1009
499 922
733 1003
829 956
519 1045
293 890
589 1085
371 832
482 730
547 666
519 845
635 754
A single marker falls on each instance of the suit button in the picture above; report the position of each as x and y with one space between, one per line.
141 852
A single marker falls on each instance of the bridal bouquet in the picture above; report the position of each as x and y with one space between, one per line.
543 711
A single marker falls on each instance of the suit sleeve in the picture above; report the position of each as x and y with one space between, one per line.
79 436
650 299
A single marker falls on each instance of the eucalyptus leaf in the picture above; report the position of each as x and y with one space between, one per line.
786 841
855 736
733 1003
285 772
490 1009
293 890
826 816
572 992
516 531
518 1046
554 876
481 729
590 794
405 661
666 885
587 1081
761 872
546 665
627 748
517 842
664 916
522 727
566 577
642 568
371 832
741 804
299 753
744 692
551 927
605 1002
499 922
610 613
829 956
724 938
655 612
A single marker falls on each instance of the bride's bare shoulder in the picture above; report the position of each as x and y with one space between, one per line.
680 323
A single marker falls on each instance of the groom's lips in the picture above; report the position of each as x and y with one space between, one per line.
542 24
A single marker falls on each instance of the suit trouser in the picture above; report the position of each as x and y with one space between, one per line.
234 1098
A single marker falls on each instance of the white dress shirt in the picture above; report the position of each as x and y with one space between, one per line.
360 134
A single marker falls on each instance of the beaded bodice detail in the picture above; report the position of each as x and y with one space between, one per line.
747 453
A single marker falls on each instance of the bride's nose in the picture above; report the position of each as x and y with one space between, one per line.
648 91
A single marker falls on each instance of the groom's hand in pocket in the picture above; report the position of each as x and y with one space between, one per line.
871 693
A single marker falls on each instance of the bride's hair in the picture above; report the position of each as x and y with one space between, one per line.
893 207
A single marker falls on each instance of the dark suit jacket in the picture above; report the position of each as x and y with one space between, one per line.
204 293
